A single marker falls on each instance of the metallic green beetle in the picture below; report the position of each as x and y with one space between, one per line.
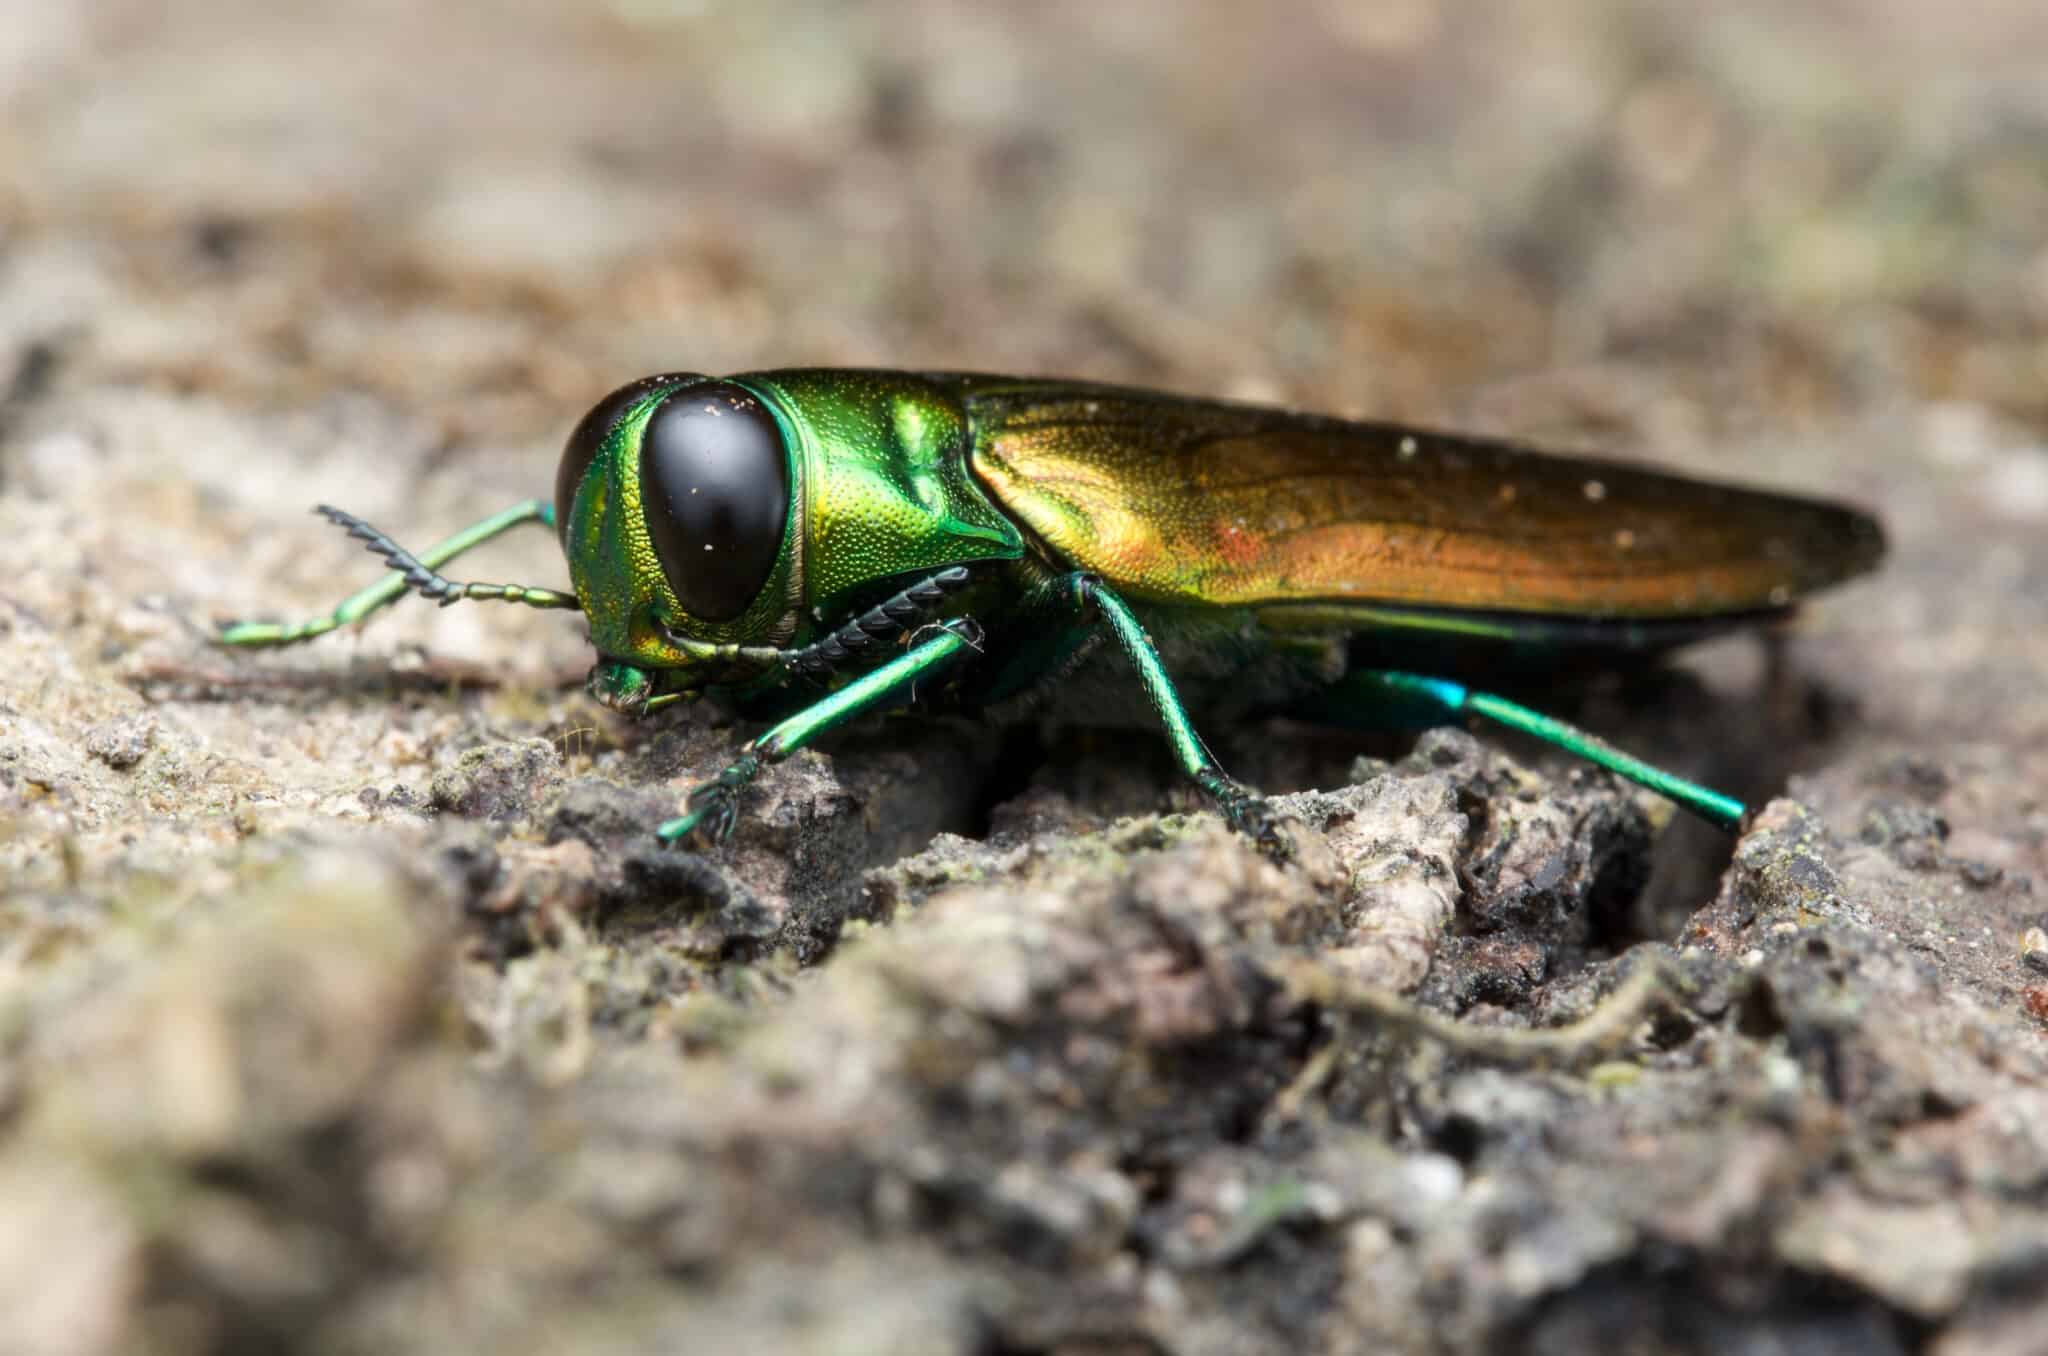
816 544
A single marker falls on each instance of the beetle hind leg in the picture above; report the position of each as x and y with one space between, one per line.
1411 699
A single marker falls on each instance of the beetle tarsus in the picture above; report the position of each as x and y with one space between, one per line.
714 806
1245 812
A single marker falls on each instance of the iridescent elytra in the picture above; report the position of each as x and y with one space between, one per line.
813 544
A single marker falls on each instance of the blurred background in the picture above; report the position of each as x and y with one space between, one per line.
494 210
383 254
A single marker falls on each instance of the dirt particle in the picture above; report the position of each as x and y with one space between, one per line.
2034 950
122 742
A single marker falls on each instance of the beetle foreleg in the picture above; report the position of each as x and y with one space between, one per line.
1245 811
890 618
395 584
714 806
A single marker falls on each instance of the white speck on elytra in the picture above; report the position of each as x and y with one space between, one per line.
1595 491
1408 449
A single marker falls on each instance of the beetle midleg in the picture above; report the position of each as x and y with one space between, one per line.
412 569
715 804
1418 700
1246 812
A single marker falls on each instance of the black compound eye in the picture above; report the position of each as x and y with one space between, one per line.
589 437
714 484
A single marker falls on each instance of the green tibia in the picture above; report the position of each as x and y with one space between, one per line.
715 804
1431 701
394 585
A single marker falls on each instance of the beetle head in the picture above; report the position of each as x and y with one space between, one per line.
676 503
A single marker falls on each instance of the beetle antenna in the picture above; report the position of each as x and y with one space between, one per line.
424 581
